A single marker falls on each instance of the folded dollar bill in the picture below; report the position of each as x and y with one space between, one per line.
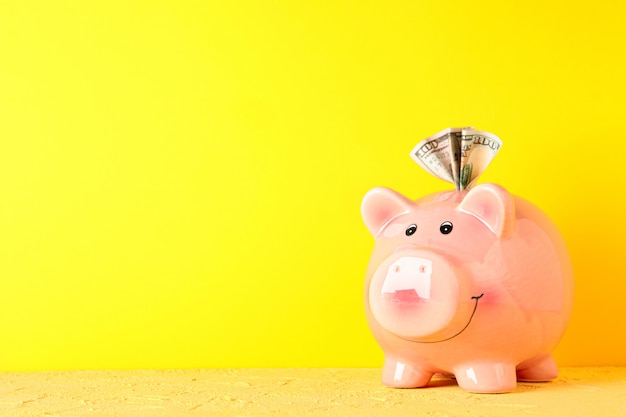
457 155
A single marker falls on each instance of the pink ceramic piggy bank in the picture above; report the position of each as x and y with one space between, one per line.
475 283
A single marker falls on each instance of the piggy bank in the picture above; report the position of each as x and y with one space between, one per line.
473 284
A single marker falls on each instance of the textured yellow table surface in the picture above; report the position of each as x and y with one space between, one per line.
298 392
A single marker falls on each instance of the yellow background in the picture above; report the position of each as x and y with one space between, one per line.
181 181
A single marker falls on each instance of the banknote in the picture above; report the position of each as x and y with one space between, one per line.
457 155
434 154
478 148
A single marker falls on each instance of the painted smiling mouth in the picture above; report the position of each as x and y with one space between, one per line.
475 298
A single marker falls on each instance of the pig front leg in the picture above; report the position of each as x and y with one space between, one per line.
486 377
399 373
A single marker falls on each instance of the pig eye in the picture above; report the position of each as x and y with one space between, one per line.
410 230
445 228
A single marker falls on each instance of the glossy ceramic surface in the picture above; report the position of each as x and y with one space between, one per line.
477 284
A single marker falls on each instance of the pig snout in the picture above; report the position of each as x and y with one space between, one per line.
419 295
408 279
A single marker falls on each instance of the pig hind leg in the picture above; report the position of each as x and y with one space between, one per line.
539 368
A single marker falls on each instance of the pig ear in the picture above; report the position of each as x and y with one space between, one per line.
493 205
380 205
